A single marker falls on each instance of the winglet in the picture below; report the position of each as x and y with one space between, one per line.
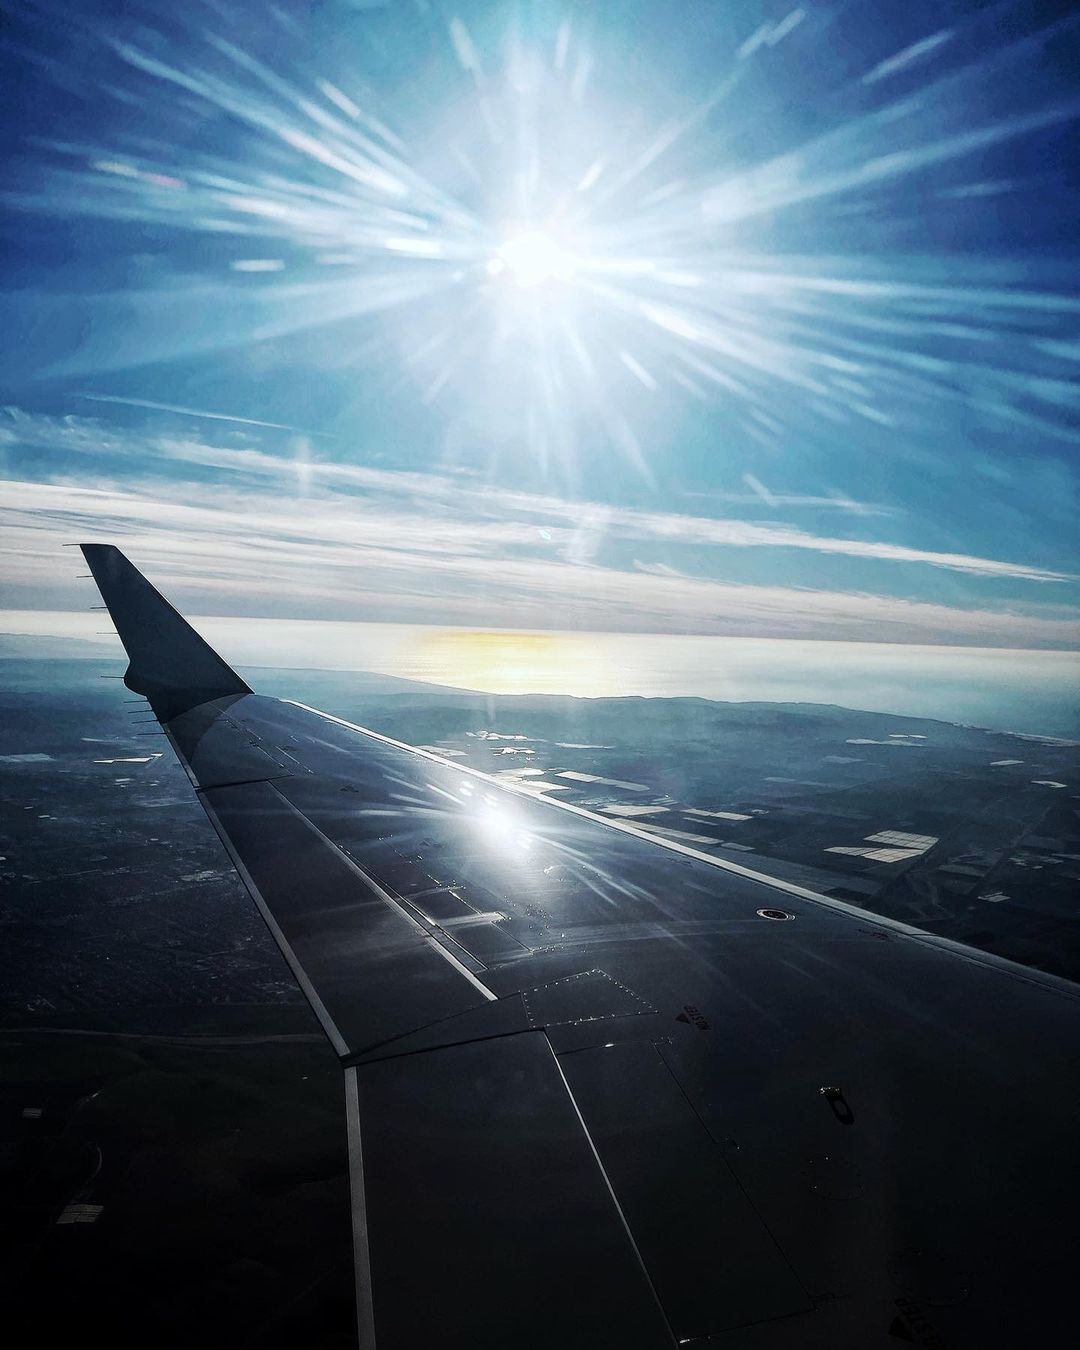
168 661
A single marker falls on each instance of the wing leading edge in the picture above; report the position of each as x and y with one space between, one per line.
593 1098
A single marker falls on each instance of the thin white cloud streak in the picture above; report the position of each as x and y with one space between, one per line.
321 529
183 411
257 555
797 500
743 534
909 56
475 502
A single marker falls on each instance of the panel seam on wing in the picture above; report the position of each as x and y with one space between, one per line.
369 881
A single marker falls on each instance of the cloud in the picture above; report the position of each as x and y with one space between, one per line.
187 412
902 59
657 569
587 522
257 555
238 530
746 534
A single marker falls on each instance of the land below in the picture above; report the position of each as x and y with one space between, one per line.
172 1127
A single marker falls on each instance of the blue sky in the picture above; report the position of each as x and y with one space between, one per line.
679 317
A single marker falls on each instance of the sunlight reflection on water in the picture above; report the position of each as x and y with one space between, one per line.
1029 691
1033 691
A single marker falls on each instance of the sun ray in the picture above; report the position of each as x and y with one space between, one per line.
591 270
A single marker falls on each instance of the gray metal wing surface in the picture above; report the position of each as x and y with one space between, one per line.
604 1091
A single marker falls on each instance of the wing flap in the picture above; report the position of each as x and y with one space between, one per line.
375 972
712 1260
490 1223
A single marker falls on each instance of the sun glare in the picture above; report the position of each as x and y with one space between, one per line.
576 248
531 258
507 662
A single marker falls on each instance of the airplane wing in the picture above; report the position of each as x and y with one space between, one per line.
605 1091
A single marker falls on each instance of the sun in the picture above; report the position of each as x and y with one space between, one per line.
531 258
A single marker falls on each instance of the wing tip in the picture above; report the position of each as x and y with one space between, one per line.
169 662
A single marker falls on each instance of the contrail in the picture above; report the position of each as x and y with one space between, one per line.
195 412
